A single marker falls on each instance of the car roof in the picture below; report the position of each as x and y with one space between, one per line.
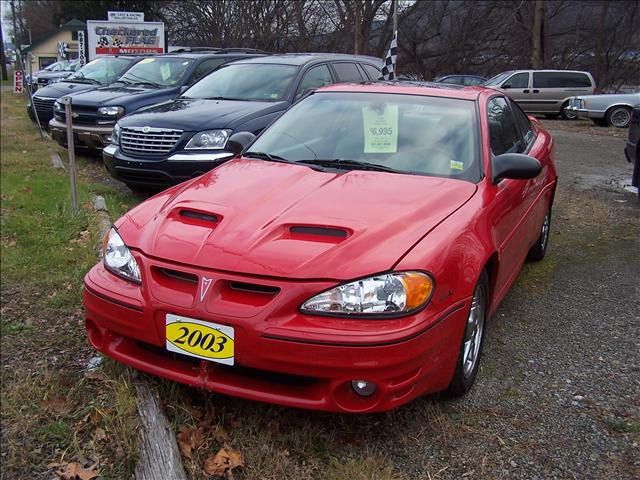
212 54
403 87
299 59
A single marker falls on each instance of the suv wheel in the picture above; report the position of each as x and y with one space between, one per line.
566 113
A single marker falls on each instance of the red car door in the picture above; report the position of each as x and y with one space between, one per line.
511 200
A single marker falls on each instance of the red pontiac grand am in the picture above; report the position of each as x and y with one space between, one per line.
346 260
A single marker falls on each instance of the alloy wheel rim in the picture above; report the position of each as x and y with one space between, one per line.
473 332
545 232
569 114
620 118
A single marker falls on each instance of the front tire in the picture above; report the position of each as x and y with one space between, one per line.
472 341
538 251
567 114
618 117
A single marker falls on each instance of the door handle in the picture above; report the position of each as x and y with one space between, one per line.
525 91
536 91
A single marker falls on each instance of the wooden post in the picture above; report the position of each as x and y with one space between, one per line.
66 101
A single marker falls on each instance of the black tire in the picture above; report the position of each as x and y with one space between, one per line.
465 374
601 122
565 114
613 114
538 251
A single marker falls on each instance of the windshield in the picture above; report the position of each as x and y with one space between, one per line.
250 81
103 70
497 80
50 68
403 133
157 71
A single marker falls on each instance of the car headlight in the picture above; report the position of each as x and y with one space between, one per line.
115 135
111 111
387 294
118 258
209 139
58 106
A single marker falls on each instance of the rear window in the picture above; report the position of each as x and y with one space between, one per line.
373 72
560 80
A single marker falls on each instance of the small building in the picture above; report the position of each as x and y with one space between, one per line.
44 51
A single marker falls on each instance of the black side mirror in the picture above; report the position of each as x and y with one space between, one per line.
239 141
514 165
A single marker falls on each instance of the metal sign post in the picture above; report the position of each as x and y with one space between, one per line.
66 101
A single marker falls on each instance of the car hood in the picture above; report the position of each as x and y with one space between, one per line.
54 75
200 114
113 94
613 97
57 90
282 220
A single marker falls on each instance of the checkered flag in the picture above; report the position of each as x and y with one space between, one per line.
103 42
117 43
389 69
62 49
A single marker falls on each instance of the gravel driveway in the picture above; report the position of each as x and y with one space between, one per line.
559 391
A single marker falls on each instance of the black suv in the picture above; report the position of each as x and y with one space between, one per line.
183 138
152 80
97 73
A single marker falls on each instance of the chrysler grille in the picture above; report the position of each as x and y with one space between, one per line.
148 140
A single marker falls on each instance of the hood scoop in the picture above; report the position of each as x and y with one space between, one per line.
199 217
316 233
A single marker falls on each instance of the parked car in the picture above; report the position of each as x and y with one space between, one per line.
604 110
99 72
467 80
179 139
61 70
348 260
152 80
544 91
632 150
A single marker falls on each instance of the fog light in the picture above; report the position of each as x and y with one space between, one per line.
363 388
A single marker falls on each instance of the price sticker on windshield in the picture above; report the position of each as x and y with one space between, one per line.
380 129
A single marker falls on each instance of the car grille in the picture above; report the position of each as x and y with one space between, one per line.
81 115
147 140
43 106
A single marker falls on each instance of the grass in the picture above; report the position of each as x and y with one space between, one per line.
47 398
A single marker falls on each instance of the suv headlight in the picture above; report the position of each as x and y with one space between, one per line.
115 135
387 294
209 139
111 111
58 106
118 258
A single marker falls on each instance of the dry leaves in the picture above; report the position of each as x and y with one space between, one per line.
223 463
57 404
189 439
83 238
75 471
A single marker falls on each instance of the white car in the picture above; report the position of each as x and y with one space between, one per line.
610 109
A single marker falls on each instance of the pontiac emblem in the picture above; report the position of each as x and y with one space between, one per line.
206 283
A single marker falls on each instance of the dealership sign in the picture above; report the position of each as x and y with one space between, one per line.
126 16
17 81
111 38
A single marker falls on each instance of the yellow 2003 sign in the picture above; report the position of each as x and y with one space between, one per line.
200 339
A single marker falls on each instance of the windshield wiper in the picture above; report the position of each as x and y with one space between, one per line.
84 80
153 84
266 156
351 164
126 82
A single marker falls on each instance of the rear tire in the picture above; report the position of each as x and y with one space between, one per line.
538 251
468 361
619 117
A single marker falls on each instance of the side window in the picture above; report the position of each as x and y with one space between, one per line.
524 123
454 80
315 77
519 80
373 72
347 72
560 80
205 68
472 81
503 131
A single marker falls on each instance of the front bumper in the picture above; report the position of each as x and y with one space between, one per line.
84 136
584 113
281 356
163 171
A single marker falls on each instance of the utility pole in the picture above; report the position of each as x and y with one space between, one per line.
539 33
